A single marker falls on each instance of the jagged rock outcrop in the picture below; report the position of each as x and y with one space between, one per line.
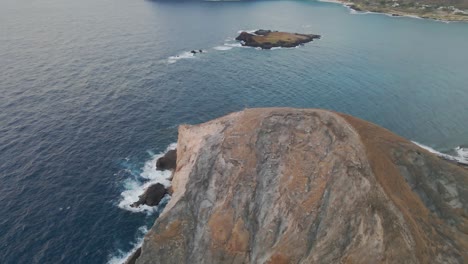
156 192
152 195
168 161
281 185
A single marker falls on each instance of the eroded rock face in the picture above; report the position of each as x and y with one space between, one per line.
282 185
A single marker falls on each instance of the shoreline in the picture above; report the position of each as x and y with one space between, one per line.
211 194
362 10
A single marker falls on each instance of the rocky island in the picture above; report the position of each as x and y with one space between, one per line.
282 185
267 39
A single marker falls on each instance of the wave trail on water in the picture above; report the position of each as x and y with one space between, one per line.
135 185
183 55
228 46
460 153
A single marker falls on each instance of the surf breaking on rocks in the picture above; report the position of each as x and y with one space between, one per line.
134 186
460 154
139 182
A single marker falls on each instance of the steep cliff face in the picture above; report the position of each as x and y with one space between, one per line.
282 185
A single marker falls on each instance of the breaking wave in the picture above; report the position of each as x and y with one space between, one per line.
135 185
181 56
228 46
222 48
141 179
460 153
251 31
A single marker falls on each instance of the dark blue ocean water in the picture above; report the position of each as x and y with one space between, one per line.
92 90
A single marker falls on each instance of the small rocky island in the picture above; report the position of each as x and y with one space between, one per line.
267 39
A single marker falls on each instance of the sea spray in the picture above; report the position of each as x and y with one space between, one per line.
222 48
135 186
228 46
460 153
183 55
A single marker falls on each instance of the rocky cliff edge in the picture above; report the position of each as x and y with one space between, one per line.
281 185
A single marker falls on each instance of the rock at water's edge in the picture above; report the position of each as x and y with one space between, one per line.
168 161
354 7
152 196
281 185
132 259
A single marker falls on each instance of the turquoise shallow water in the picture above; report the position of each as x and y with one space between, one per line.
91 91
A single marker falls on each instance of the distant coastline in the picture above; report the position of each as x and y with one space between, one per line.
439 13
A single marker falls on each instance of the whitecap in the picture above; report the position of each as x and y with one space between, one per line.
228 46
412 16
222 48
251 31
135 186
461 153
183 55
233 45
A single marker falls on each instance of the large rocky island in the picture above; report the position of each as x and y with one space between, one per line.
267 39
282 185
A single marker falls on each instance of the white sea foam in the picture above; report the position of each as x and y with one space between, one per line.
183 55
411 16
461 153
120 257
222 48
234 45
135 186
228 46
251 31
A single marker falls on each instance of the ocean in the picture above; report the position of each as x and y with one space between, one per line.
92 92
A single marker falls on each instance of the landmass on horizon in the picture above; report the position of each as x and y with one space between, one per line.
452 10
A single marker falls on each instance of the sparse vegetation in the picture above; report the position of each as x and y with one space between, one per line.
452 10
